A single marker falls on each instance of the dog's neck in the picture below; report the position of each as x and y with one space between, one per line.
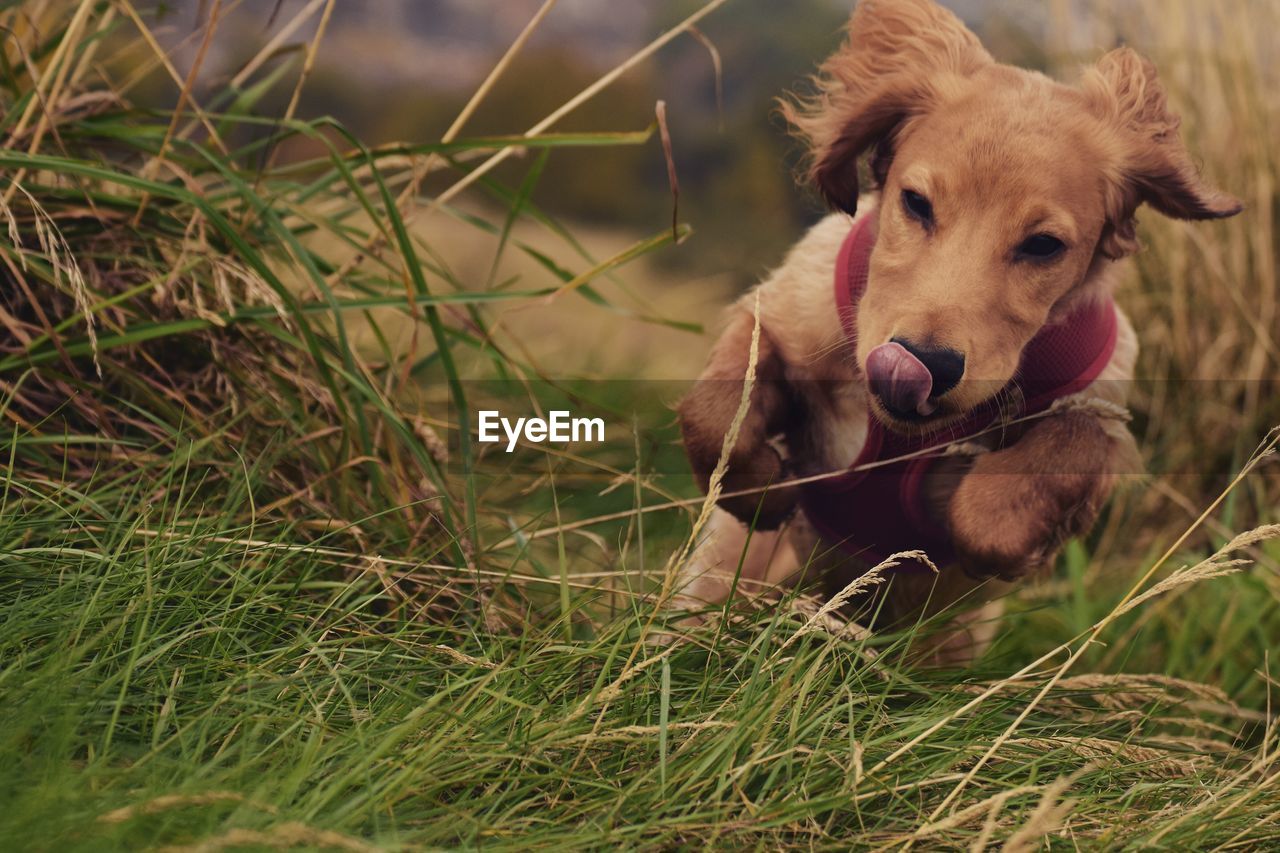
1097 286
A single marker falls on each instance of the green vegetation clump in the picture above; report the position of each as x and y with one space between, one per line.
249 599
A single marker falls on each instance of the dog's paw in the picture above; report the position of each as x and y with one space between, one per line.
1009 525
1004 546
763 505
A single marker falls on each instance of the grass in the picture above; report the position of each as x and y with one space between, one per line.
248 600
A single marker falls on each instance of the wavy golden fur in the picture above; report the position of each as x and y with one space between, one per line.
973 161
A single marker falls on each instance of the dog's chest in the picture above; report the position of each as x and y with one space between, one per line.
837 427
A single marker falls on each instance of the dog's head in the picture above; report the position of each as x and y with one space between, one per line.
1000 190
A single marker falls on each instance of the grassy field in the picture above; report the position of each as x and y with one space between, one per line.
249 600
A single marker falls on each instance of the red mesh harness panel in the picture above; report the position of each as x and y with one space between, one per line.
879 510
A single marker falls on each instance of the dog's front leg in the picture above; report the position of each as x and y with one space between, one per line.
707 413
1015 507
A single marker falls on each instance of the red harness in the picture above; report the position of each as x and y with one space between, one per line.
876 512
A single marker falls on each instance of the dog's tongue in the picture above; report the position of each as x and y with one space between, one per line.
900 380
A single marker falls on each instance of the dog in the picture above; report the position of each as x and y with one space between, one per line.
964 302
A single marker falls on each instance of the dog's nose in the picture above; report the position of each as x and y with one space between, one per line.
945 365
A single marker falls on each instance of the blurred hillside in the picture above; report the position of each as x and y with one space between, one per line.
424 58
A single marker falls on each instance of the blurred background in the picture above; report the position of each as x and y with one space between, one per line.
425 58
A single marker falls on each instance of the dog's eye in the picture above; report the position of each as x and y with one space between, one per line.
1040 247
917 207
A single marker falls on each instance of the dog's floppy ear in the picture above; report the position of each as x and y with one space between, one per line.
1154 166
891 67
